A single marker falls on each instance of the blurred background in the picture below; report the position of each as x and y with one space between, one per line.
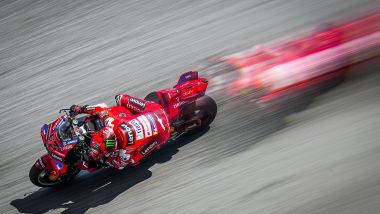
296 82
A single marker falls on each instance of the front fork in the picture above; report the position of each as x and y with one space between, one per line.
48 164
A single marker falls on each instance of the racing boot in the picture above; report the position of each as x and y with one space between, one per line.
124 156
119 162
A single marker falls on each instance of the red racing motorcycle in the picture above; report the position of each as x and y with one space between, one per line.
188 109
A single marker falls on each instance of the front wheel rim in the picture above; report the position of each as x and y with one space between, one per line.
42 180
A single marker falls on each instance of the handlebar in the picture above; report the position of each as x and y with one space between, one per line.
68 113
64 109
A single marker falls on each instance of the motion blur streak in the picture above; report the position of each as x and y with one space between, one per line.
323 159
271 71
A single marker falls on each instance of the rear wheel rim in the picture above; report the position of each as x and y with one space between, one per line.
204 116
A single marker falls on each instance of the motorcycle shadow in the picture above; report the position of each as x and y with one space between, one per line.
90 190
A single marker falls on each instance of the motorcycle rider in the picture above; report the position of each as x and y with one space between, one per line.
132 128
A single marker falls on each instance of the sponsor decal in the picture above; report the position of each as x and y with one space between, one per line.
41 163
160 121
154 126
110 143
137 102
129 132
134 108
45 132
179 103
66 147
45 129
146 124
55 156
148 148
69 141
58 164
187 92
136 125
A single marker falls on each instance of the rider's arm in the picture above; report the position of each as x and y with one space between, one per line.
87 109
93 109
133 104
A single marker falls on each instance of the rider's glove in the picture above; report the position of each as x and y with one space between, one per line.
75 109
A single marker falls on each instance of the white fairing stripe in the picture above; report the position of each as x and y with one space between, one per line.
160 120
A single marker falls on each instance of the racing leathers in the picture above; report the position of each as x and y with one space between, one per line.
132 129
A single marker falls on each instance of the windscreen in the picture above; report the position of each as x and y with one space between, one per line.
65 130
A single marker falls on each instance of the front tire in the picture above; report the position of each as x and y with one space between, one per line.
40 177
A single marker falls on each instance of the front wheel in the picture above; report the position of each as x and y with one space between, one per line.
41 177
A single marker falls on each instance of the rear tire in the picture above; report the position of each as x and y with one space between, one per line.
204 109
207 108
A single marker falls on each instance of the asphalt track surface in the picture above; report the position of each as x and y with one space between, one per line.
323 159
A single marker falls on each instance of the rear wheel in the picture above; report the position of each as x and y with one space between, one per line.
204 110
